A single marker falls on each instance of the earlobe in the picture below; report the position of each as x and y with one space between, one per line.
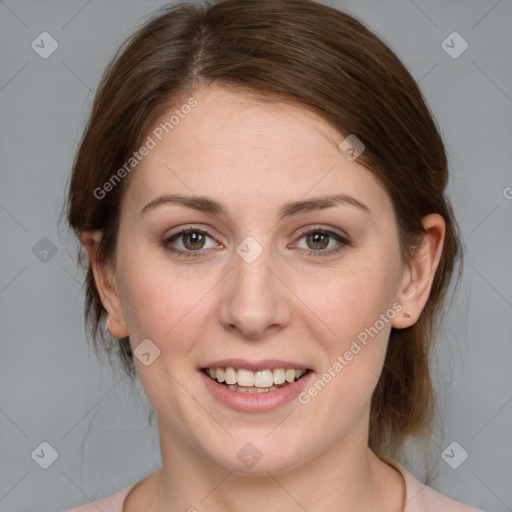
418 275
104 278
115 329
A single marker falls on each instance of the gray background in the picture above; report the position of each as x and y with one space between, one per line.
53 389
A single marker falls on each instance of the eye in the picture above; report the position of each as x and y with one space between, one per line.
193 242
318 241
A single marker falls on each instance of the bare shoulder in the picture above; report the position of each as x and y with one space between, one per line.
440 502
141 496
111 503
420 497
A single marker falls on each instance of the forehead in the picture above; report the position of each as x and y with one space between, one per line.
234 146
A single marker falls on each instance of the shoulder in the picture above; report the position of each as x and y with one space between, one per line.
421 498
111 503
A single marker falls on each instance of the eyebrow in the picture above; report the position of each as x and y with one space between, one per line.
208 205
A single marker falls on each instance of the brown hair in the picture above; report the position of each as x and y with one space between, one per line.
309 54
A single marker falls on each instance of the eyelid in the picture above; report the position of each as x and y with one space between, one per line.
342 238
187 229
190 227
314 228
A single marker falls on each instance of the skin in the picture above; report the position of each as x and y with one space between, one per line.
253 157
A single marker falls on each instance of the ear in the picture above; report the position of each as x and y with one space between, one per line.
418 276
104 277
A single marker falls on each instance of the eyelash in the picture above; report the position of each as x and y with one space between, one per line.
343 241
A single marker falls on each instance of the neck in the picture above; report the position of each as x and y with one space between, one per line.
347 478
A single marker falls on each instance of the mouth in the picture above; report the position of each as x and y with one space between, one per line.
243 380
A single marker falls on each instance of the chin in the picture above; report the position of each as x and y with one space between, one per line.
258 454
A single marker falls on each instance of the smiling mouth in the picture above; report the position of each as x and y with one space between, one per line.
247 381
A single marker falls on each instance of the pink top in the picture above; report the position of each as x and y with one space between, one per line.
418 498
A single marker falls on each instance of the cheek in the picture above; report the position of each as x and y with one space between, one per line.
161 306
347 322
347 301
354 339
156 300
336 304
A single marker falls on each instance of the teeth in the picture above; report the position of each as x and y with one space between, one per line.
279 376
263 378
245 389
220 374
230 376
289 375
254 382
245 377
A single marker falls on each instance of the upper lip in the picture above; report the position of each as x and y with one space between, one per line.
255 366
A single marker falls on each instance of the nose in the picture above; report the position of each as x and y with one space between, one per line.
255 299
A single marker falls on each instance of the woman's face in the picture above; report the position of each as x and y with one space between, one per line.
245 288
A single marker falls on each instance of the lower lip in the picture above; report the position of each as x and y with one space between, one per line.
255 402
